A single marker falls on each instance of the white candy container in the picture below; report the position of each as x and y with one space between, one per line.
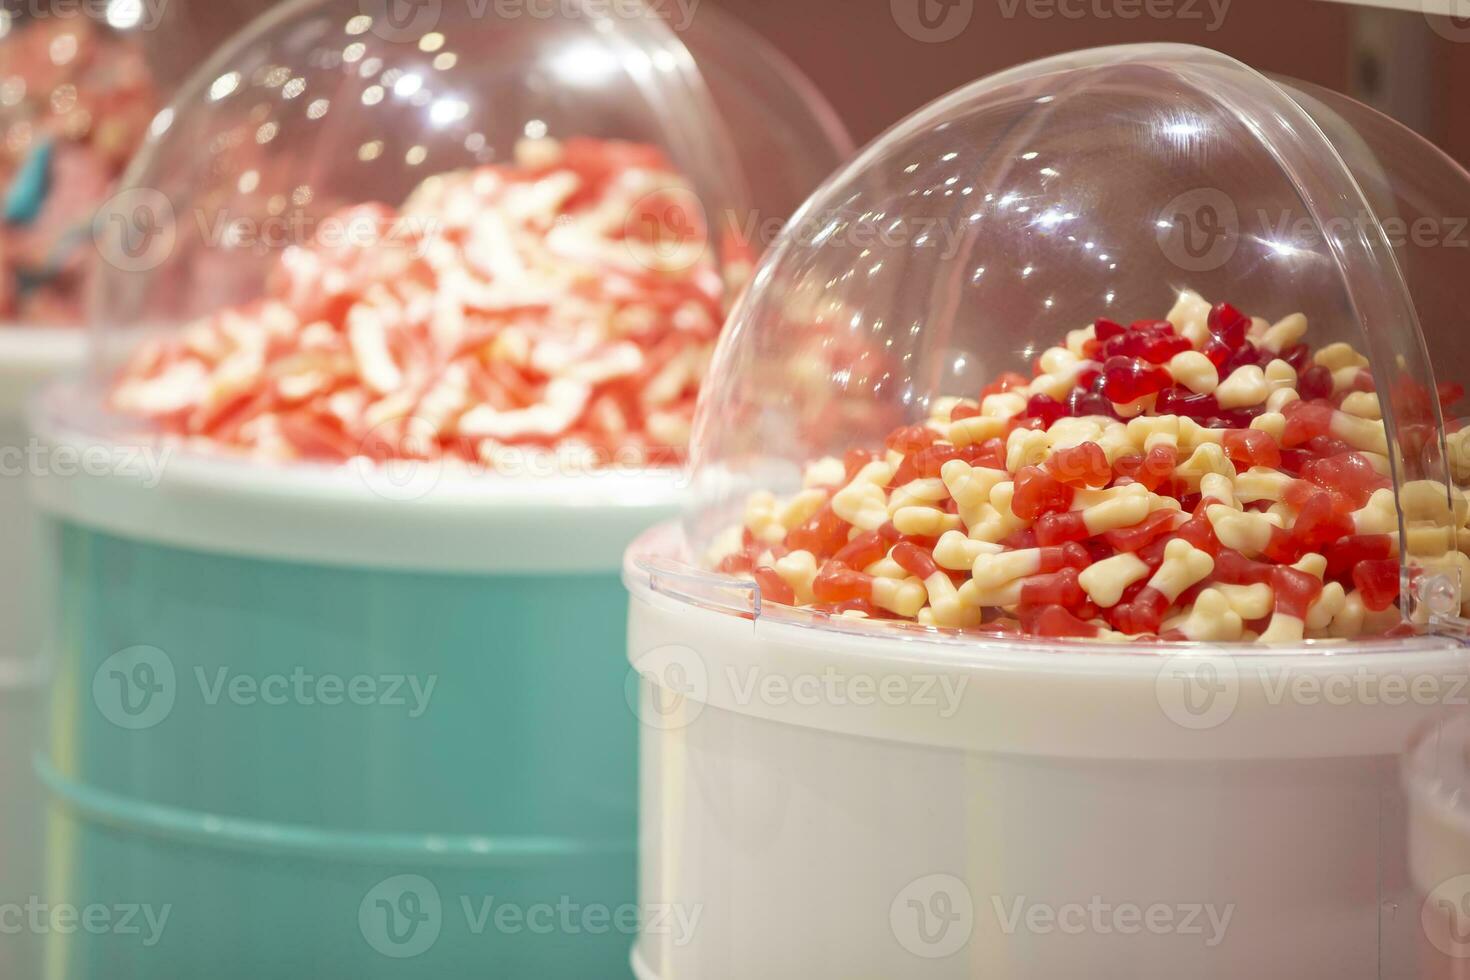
1138 722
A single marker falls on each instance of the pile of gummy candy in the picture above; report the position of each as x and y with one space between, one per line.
567 301
1204 477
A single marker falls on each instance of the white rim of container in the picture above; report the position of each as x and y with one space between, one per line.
31 355
1078 700
420 517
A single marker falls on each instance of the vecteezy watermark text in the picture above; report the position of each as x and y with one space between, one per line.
408 20
1211 12
120 14
138 688
38 917
39 459
1099 917
403 917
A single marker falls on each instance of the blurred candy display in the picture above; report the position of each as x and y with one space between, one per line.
567 302
76 97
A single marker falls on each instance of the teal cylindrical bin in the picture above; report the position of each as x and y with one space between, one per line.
311 722
28 357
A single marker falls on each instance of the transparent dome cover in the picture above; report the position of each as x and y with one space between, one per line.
1016 224
335 150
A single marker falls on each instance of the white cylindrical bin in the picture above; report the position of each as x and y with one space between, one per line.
908 806
1034 616
1436 775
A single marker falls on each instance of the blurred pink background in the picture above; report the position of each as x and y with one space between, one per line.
875 72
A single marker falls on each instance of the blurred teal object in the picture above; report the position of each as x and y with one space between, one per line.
27 192
302 770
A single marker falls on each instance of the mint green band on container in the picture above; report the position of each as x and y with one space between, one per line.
310 767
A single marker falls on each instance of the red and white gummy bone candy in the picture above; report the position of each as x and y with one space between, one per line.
567 303
1205 477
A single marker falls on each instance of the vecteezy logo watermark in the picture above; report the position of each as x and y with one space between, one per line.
1099 917
1198 230
1450 19
667 229
138 688
933 916
135 230
358 230
408 20
401 20
1211 12
401 917
667 686
1197 692
122 15
1202 692
841 689
135 688
404 916
405 691
39 918
1445 917
932 21
39 459
396 464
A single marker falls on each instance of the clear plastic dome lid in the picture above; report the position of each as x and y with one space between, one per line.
1135 265
381 230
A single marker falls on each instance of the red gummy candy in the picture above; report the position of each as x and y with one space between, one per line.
774 587
1127 379
1144 614
1295 590
1323 519
1046 408
1199 532
911 438
1233 568
1449 393
862 550
735 564
1181 401
1038 492
1060 588
990 454
914 559
1378 581
923 464
1228 325
838 583
1345 554
1299 356
855 460
1105 329
1313 383
822 535
1251 447
1145 532
1054 529
1083 465
1305 421
1350 472
1081 403
1069 555
1056 622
